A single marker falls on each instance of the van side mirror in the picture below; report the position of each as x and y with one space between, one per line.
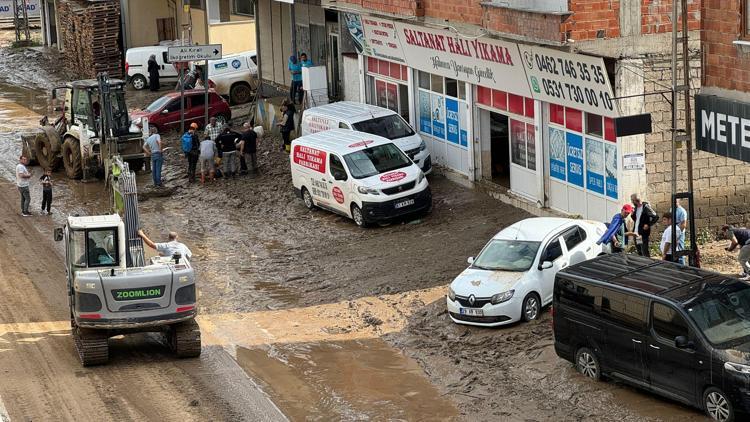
165 111
545 265
59 234
681 342
470 260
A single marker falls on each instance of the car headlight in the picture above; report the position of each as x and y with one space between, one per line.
367 191
421 177
737 367
422 145
451 294
502 297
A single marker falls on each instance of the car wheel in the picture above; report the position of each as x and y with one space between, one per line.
139 82
717 405
357 216
307 198
240 94
588 364
531 307
221 119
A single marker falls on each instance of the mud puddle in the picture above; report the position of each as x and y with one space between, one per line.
349 380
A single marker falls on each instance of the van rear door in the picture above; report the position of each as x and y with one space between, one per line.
673 370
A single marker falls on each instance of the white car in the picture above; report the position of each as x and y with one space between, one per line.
513 276
234 76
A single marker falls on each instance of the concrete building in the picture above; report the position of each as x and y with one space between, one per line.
722 114
522 96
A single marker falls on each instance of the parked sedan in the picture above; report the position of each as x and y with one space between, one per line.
513 276
164 113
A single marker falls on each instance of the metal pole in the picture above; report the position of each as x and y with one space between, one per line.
182 97
259 83
688 114
294 29
205 96
673 240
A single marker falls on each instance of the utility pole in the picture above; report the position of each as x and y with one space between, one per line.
682 135
21 22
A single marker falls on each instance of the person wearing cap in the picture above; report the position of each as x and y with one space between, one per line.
191 149
616 231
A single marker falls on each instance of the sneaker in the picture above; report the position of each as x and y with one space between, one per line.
26 214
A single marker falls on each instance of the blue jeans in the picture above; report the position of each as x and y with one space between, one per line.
156 162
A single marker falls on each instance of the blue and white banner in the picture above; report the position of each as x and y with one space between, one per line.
425 119
451 120
595 166
557 153
610 164
575 159
438 116
462 125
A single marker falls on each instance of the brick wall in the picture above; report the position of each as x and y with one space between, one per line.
725 65
527 24
395 7
593 19
657 16
465 11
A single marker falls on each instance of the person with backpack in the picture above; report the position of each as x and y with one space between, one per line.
645 219
191 149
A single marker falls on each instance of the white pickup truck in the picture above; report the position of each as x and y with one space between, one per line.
234 76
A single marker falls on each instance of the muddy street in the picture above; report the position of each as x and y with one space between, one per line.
304 316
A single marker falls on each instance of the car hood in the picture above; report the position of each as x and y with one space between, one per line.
138 113
392 178
485 283
738 353
408 142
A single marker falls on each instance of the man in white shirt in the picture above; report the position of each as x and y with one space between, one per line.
167 248
23 175
666 238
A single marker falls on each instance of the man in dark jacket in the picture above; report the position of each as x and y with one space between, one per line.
227 144
645 218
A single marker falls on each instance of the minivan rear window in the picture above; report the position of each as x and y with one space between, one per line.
390 127
380 159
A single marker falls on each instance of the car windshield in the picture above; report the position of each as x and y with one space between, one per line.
158 104
380 159
390 127
722 312
507 255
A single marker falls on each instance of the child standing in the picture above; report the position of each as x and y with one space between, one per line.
46 180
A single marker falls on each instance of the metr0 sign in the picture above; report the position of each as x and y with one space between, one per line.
572 80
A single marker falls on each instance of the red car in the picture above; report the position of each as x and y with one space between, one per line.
164 113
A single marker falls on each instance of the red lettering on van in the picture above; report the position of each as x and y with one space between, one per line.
361 144
338 195
311 158
393 176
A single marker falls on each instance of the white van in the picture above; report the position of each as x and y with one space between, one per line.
136 66
371 119
358 175
234 76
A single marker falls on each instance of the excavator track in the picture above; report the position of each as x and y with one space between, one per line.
185 339
92 346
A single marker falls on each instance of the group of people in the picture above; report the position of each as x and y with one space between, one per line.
295 66
23 180
634 224
220 145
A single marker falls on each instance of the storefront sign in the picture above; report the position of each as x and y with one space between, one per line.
451 120
557 153
425 115
722 126
610 168
462 125
381 39
634 161
438 116
595 166
572 80
575 159
481 61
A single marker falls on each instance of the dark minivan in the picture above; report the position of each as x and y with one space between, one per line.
681 332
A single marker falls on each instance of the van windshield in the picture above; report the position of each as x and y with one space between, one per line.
390 127
722 312
507 255
380 159
158 104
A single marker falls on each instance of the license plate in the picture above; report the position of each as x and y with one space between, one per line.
471 312
139 293
404 203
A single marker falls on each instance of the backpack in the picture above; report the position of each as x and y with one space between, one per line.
187 142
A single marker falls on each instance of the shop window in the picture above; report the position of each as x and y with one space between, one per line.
573 119
461 90
395 70
403 99
531 146
424 80
609 129
557 114
404 73
484 96
243 7
500 100
372 64
594 125
518 142
451 87
515 104
529 107
437 84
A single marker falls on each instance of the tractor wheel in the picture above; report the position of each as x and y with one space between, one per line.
71 154
92 346
240 93
185 339
46 151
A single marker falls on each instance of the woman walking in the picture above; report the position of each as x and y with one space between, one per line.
153 73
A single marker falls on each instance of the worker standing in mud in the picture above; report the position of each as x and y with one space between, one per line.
23 175
191 148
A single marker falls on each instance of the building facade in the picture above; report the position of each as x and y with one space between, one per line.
722 113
